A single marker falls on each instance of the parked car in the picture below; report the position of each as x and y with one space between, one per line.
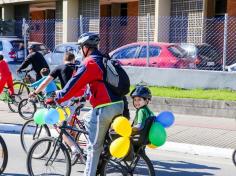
56 56
162 55
9 46
209 57
40 47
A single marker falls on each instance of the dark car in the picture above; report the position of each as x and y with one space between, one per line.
209 57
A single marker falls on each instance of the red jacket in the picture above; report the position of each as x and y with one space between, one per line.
90 72
4 70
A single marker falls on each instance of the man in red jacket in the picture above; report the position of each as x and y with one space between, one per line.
5 76
106 105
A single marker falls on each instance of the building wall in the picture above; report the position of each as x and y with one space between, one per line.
146 6
116 31
58 23
187 21
90 10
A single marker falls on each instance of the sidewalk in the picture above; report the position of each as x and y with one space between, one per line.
209 136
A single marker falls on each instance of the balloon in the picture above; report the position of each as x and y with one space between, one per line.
62 116
119 148
52 117
122 126
165 118
157 134
151 146
39 116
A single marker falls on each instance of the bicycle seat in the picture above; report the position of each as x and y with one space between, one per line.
141 138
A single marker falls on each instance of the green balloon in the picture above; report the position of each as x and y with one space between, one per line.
157 134
39 116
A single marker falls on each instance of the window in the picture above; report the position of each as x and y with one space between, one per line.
220 7
126 53
1 47
153 51
123 14
177 51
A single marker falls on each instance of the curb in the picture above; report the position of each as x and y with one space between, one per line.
201 150
169 146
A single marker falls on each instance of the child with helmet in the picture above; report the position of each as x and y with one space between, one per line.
141 96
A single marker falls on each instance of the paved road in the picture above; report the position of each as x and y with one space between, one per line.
165 163
197 130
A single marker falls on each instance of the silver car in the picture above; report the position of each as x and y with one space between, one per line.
56 56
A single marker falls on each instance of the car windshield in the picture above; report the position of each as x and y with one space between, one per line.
16 43
177 51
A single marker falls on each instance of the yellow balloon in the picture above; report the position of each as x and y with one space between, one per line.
121 126
67 109
119 148
151 146
61 114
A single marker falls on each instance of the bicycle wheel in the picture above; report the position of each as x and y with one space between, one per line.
141 165
31 132
21 89
3 155
234 157
55 162
14 102
26 109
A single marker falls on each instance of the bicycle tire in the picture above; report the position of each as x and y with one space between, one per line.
30 113
117 168
26 127
4 154
61 147
234 157
13 103
21 89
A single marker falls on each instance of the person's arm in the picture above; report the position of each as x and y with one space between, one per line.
141 117
43 85
86 73
25 64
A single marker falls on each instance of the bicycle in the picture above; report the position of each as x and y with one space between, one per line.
54 149
11 100
31 132
3 155
234 157
21 88
27 107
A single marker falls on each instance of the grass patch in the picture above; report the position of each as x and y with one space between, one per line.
209 94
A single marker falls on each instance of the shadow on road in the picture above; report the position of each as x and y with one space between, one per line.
182 168
13 174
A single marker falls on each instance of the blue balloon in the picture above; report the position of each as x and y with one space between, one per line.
166 118
52 117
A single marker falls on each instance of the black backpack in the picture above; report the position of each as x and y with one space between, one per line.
115 76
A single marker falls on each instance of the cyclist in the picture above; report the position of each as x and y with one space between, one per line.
5 76
105 103
50 88
63 72
37 61
141 96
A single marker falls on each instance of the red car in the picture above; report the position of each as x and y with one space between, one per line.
162 55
